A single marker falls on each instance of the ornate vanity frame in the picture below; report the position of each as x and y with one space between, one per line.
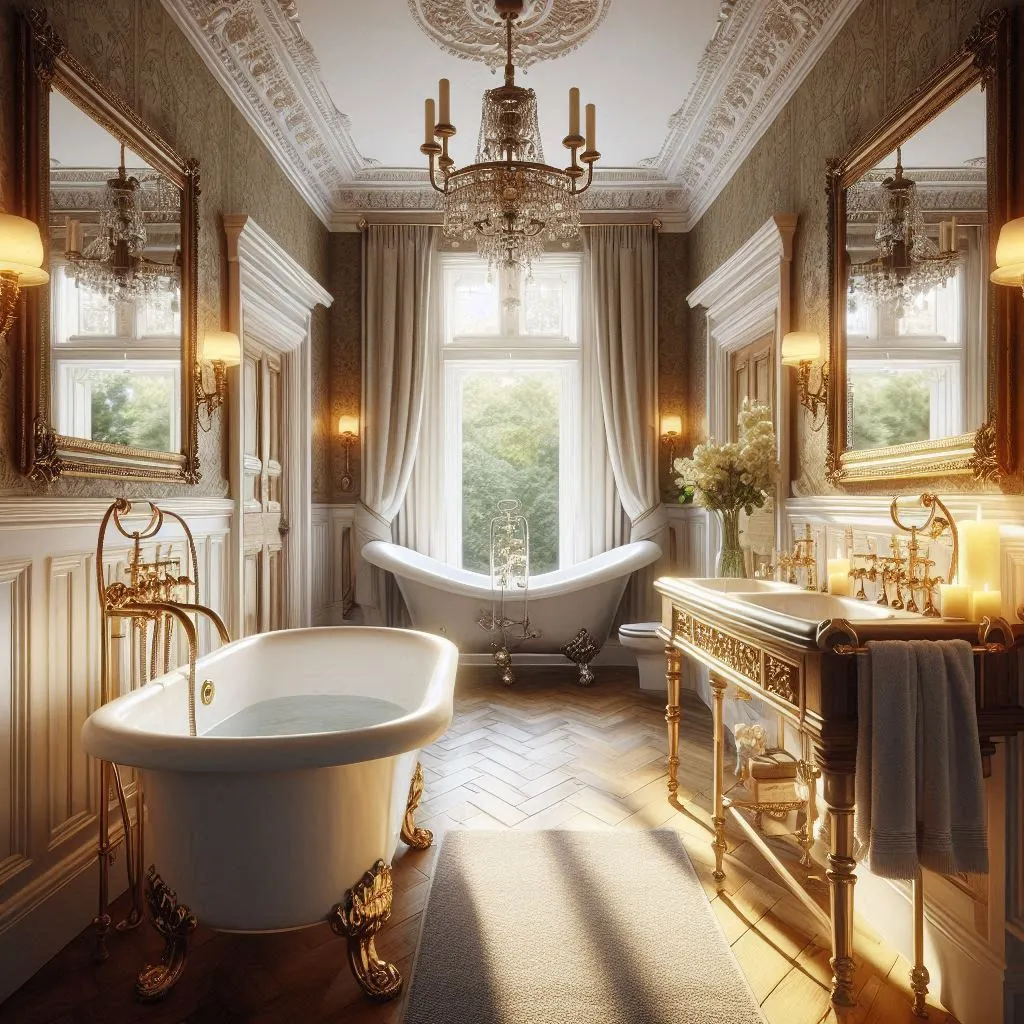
43 454
995 451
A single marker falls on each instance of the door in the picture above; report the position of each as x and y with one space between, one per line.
752 370
264 519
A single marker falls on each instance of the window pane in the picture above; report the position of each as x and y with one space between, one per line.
159 314
96 315
543 302
919 316
889 406
475 304
510 449
132 407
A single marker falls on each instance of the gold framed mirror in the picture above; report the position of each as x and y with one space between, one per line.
919 337
107 350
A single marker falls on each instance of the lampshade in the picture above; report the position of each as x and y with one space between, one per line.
21 250
1010 254
222 347
799 347
671 425
348 424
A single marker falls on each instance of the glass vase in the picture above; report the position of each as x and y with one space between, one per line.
730 555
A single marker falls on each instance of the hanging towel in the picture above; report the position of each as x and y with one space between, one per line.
919 789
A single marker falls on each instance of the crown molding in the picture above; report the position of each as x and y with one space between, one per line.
760 53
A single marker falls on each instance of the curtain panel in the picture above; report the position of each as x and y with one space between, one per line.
400 268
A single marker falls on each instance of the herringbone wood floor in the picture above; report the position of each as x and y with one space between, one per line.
544 754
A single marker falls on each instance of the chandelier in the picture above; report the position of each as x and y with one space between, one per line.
113 264
909 264
510 202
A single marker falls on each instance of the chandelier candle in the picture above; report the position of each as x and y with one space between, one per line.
510 202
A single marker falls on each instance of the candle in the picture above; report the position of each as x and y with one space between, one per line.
986 604
954 242
838 565
839 584
943 236
574 111
591 128
954 601
444 100
979 554
428 122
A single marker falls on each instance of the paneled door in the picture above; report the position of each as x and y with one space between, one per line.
264 515
752 370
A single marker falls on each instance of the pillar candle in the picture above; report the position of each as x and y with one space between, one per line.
591 127
839 583
838 565
428 122
979 554
574 111
954 601
986 603
444 101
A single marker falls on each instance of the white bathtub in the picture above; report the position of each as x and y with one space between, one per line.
267 833
443 599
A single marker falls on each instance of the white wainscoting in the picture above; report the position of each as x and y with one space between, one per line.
49 683
978 971
333 574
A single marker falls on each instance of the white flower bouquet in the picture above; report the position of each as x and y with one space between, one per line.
736 475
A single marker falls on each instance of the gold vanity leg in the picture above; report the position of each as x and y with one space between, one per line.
718 686
417 838
919 976
673 660
175 922
841 875
366 908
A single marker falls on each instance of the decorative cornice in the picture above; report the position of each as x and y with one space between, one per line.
760 52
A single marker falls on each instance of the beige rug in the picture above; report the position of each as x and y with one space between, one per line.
572 928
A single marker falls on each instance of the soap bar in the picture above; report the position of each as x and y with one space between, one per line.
773 764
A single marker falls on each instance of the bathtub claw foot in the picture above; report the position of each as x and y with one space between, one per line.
580 650
175 922
366 908
503 659
417 838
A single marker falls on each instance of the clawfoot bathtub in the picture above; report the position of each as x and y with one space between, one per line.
294 792
571 610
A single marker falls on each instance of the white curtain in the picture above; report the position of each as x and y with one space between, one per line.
401 264
622 296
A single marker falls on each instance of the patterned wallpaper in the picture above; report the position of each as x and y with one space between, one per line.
137 51
885 50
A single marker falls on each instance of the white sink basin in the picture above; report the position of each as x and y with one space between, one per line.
814 607
734 586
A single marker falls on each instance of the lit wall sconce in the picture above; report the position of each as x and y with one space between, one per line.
671 431
800 349
1010 255
221 349
348 431
21 261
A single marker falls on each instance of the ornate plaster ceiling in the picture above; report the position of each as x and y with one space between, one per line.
683 90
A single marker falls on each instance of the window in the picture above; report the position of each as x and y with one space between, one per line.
511 353
117 367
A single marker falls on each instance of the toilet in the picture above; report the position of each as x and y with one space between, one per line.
643 640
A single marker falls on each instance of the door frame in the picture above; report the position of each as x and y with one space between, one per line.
271 300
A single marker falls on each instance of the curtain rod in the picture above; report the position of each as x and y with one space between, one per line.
363 222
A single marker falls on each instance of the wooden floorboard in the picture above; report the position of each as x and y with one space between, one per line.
543 754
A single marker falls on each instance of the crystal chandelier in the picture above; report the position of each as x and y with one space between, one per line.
113 264
909 264
510 201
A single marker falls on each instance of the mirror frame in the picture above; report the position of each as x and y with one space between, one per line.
45 455
984 59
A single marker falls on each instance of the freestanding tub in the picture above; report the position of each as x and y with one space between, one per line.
450 601
267 830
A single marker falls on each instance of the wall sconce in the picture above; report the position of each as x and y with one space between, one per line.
800 349
671 431
1010 255
21 261
348 431
221 349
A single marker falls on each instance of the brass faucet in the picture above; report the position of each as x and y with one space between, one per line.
801 558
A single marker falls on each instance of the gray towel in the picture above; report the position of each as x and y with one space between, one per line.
919 789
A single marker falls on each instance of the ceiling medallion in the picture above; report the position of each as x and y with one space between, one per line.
546 29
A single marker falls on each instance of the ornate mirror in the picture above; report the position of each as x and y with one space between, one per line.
109 346
917 330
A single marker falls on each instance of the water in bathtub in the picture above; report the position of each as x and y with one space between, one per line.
308 713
